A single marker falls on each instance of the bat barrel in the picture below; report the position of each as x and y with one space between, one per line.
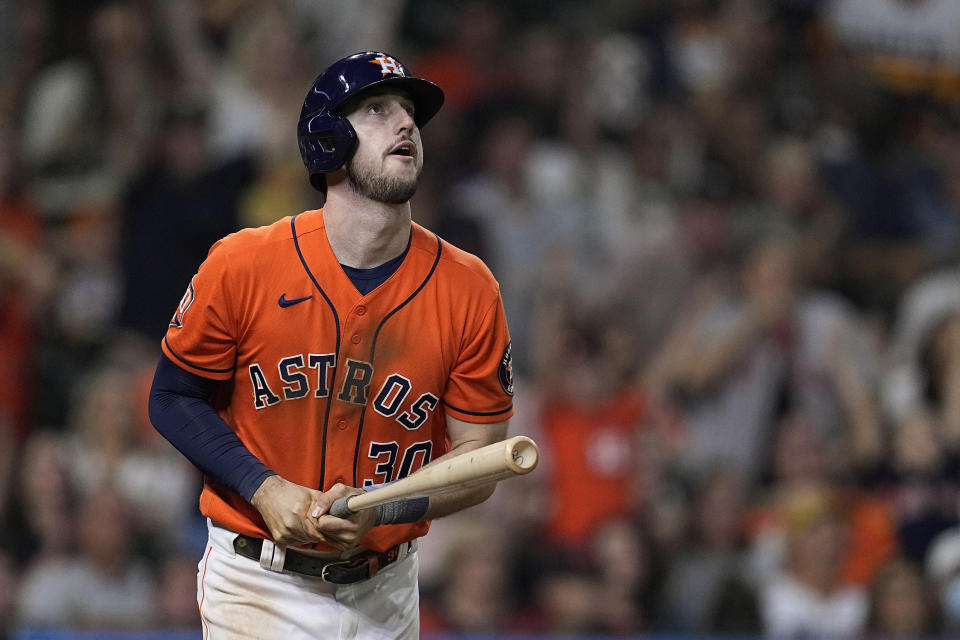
522 455
515 456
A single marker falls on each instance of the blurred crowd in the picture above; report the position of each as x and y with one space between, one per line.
727 234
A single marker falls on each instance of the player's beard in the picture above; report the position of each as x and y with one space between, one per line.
379 187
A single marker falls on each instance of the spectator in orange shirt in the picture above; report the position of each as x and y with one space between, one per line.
590 420
802 458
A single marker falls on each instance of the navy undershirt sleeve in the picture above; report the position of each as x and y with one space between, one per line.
180 410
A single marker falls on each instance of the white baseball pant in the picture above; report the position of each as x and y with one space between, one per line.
239 599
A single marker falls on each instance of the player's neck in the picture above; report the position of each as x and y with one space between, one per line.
363 233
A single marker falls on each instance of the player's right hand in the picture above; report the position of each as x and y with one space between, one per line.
285 507
342 533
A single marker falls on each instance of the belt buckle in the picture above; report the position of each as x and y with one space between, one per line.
323 572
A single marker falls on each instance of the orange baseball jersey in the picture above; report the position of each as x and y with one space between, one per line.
329 385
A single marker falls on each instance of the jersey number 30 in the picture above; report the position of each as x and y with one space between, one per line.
387 453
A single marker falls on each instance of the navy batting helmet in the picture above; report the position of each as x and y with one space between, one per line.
325 136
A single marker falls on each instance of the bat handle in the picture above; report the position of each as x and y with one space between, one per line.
340 508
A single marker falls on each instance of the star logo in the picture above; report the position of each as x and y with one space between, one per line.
389 66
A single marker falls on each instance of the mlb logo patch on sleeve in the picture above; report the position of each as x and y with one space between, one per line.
185 302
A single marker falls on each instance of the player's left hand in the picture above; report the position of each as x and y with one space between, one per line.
342 533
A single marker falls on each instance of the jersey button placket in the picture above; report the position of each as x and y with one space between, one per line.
342 424
355 338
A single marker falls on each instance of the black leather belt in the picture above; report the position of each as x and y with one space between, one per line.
360 567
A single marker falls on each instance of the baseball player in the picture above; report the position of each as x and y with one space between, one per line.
324 354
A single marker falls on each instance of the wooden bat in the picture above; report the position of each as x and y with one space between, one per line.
514 456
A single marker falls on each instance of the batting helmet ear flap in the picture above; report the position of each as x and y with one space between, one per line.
326 143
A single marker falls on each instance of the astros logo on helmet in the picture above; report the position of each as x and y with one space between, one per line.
389 65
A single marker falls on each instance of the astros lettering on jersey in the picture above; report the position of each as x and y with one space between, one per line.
328 385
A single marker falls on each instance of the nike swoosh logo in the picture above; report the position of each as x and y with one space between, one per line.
283 302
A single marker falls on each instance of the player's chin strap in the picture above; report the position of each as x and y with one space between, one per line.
272 556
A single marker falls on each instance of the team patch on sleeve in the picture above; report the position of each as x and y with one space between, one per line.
185 302
505 370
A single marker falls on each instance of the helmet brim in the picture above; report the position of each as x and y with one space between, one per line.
427 97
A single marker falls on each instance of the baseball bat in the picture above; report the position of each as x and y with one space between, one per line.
514 456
